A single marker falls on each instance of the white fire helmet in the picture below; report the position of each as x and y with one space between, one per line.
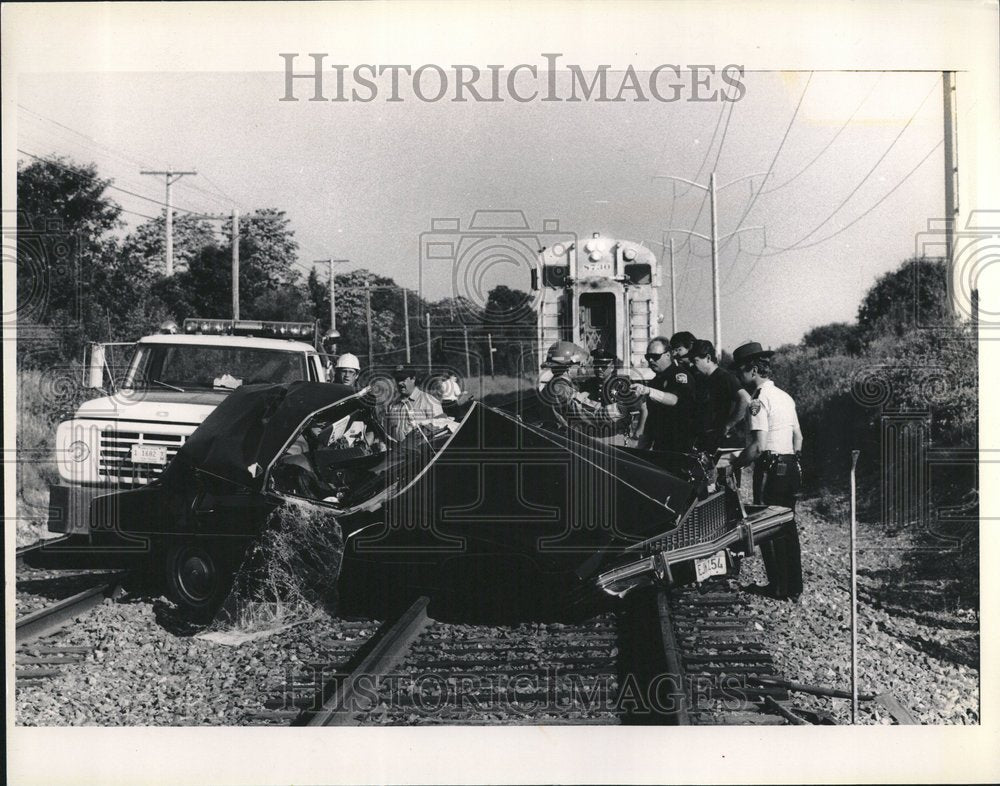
348 360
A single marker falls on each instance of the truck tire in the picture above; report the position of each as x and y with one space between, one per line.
199 574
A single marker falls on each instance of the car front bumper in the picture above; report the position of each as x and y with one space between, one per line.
663 557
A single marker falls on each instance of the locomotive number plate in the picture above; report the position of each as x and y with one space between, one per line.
710 566
149 454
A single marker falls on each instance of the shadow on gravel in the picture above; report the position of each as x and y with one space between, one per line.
961 651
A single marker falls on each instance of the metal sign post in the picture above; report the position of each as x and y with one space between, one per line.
854 591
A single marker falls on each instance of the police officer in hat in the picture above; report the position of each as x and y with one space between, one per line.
773 446
607 399
346 370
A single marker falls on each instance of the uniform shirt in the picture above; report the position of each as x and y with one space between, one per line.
404 415
672 428
772 410
721 391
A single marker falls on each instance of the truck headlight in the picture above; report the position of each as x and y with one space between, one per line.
79 451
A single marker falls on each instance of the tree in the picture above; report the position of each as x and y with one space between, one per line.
64 220
148 242
915 293
837 338
268 252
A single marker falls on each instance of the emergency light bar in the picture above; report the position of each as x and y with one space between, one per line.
249 327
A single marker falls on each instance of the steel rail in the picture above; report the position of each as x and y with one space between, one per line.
51 618
39 545
389 646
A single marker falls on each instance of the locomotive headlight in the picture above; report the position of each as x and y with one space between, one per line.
79 451
595 256
589 246
629 254
558 249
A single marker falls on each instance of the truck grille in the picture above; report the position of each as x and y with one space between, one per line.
116 464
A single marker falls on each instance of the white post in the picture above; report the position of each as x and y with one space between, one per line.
854 593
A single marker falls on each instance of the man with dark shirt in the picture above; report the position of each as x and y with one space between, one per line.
725 400
668 422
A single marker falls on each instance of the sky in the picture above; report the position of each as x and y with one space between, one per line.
853 165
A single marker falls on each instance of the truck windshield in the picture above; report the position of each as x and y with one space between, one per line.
187 367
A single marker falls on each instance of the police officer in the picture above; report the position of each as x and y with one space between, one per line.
346 370
668 421
725 400
773 446
607 406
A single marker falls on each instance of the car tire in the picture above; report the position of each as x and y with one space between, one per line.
199 575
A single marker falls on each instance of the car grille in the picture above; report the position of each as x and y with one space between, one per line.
116 464
708 521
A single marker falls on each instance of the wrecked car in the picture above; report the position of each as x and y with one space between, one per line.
489 502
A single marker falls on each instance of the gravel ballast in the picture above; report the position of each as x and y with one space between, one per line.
918 640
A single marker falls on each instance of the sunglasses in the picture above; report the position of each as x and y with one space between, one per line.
654 356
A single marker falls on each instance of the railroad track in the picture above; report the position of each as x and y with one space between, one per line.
663 658
39 655
27 552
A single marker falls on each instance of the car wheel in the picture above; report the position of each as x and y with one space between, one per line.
199 575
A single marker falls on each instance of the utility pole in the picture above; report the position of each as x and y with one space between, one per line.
489 340
333 301
716 311
950 181
673 292
468 368
427 320
368 323
714 240
406 322
236 264
170 177
235 219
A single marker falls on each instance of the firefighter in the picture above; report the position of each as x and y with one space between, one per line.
563 361
774 444
346 370
668 419
725 400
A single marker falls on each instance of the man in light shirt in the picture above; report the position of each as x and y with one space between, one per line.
774 445
412 408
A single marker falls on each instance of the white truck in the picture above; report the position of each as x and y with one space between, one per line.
174 380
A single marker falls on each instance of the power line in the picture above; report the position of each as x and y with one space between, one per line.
100 148
781 144
704 199
71 170
829 144
847 226
881 158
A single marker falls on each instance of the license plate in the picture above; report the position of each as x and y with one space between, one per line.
149 454
710 566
